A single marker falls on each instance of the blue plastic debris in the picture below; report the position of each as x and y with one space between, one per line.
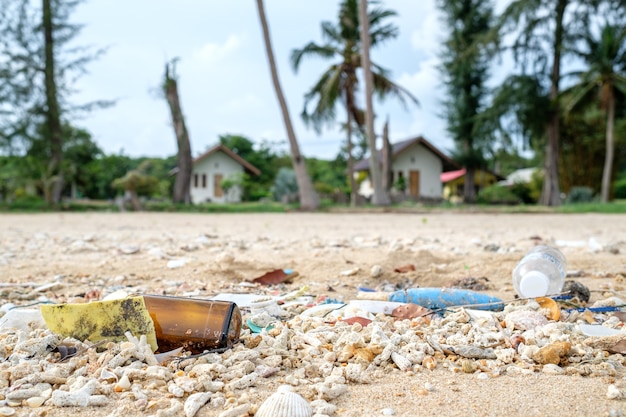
441 298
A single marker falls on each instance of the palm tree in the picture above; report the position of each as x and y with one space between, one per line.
543 28
606 60
339 82
308 198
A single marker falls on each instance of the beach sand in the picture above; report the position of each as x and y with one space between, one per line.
333 255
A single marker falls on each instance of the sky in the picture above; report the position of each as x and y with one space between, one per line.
223 75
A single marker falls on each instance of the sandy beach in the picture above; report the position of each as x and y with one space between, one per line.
334 255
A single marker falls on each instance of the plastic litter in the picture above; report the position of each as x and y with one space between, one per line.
541 272
167 322
439 298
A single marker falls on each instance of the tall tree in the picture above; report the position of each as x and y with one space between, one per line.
308 198
52 108
181 192
380 197
544 29
605 57
465 70
39 62
339 83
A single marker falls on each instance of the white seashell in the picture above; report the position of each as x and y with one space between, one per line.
34 402
7 411
376 271
285 403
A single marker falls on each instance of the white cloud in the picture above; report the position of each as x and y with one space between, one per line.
212 52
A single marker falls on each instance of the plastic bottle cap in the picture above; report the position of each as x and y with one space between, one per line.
534 284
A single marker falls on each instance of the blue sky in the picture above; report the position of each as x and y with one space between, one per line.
224 80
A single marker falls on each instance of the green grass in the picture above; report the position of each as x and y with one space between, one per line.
31 205
617 206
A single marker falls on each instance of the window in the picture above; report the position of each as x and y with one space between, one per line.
195 180
203 180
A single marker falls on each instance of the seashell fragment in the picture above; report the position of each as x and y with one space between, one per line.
285 403
554 311
7 411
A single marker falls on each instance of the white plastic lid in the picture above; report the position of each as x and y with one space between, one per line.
534 284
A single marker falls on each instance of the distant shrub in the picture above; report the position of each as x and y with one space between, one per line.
579 195
497 194
619 188
523 192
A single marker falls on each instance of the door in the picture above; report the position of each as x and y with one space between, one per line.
217 185
414 183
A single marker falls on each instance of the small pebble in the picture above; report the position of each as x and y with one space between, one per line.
388 412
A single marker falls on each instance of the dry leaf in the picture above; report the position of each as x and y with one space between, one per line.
619 347
275 277
552 307
410 311
405 268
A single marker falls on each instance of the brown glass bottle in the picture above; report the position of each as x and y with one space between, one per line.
195 324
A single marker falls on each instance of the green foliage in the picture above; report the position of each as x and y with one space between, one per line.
329 177
249 207
263 157
497 194
580 195
400 184
619 188
465 72
137 180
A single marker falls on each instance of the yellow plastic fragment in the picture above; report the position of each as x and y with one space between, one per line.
101 320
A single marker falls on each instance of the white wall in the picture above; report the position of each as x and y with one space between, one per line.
216 163
430 166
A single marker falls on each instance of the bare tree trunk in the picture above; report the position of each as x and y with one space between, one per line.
607 173
551 194
380 197
308 198
52 111
387 159
185 163
354 193
469 185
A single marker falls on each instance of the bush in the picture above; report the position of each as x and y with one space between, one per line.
523 192
579 195
619 188
497 194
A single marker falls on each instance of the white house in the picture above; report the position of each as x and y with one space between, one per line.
419 163
211 168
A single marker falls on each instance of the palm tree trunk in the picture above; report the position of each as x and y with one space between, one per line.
380 197
53 111
308 198
185 163
551 193
387 159
610 145
353 189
